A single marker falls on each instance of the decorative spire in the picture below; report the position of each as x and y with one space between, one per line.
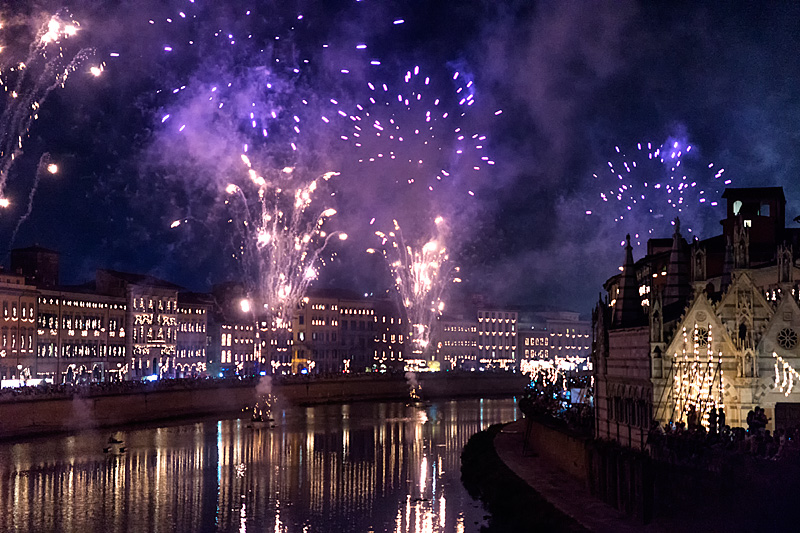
785 264
677 288
627 308
727 268
741 245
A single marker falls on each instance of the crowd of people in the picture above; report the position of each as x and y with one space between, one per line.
698 443
551 401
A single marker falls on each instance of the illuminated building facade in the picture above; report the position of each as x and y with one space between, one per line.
119 326
336 331
274 347
550 340
534 344
191 358
534 341
317 342
456 339
17 327
570 338
152 319
720 331
81 335
237 344
235 333
497 339
388 345
358 333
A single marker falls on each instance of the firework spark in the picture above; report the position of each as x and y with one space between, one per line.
28 83
416 128
283 240
421 274
654 181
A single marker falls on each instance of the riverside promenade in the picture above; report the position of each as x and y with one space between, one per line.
572 497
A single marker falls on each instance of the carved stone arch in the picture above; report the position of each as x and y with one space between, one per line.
656 331
785 264
749 364
698 263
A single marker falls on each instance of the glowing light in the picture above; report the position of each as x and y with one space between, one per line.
422 274
786 384
283 240
697 375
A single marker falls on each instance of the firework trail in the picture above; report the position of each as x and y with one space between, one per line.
27 85
45 166
422 275
652 183
313 102
282 238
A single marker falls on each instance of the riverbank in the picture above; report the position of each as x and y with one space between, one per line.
513 503
563 491
749 496
69 409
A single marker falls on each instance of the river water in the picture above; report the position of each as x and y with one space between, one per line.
364 467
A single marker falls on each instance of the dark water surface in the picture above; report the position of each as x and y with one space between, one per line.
365 467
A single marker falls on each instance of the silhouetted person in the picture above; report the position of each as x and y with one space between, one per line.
691 418
751 420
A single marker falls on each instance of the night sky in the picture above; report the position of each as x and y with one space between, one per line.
516 118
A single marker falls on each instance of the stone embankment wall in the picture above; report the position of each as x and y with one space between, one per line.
711 495
566 451
35 415
41 415
611 473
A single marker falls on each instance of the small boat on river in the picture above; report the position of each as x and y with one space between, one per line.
261 416
115 446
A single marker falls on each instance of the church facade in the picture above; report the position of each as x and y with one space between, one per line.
701 325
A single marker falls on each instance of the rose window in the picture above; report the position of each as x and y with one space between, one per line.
787 338
702 337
